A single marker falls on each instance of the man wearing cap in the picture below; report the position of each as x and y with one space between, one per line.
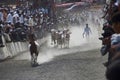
16 19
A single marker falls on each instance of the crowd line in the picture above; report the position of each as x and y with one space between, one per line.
111 38
17 23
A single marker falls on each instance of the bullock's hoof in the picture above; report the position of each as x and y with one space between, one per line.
35 65
105 64
2 45
51 43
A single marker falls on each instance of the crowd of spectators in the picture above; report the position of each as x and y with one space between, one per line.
111 39
16 23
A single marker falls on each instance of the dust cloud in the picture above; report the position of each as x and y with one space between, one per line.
77 43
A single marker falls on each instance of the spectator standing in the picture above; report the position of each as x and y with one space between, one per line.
9 18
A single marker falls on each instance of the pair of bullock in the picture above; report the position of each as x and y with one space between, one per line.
60 37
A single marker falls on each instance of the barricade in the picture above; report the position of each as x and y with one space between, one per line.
15 48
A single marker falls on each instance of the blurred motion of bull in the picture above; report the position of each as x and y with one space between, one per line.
60 38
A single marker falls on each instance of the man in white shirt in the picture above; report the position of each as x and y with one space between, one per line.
87 31
31 23
9 18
